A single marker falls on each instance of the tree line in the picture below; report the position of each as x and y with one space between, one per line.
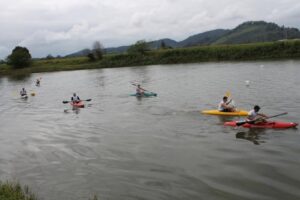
141 54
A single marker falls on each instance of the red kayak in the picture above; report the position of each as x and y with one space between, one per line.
270 124
79 104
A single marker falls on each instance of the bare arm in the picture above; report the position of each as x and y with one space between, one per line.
262 115
229 102
225 105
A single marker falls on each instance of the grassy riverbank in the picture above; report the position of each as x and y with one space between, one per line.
243 52
14 191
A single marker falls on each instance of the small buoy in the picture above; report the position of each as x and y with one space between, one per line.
33 94
247 82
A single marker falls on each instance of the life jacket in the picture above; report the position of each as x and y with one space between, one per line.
23 92
76 98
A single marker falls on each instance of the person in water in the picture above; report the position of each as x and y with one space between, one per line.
139 91
256 117
75 98
224 105
38 81
23 92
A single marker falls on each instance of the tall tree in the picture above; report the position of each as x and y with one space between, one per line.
163 45
91 57
49 57
20 57
140 47
98 50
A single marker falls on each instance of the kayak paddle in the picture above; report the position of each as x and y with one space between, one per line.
253 121
228 95
80 100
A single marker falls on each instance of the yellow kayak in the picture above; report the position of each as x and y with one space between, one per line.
217 112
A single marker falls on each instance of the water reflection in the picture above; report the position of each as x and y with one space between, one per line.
19 77
139 98
224 119
73 110
101 81
76 110
252 135
141 75
124 146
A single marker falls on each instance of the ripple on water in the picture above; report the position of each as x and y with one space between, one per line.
121 147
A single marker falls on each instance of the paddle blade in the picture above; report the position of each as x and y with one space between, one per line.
228 94
88 100
65 102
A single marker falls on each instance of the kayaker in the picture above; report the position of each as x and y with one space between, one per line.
23 92
256 117
75 98
224 105
139 91
37 83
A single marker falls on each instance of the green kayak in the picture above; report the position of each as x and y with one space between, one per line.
146 94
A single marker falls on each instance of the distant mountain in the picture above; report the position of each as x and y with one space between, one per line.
203 38
248 32
83 52
120 49
153 45
168 43
257 31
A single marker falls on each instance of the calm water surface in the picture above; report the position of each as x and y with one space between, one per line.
120 147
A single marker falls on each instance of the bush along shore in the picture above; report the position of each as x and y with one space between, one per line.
14 191
243 52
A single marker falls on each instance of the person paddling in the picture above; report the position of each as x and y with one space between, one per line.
38 81
255 117
23 92
139 91
224 105
75 98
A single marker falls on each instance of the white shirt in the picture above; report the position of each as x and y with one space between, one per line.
220 106
252 114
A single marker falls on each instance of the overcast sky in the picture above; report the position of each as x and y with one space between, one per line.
60 27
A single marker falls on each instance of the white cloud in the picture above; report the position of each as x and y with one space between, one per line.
65 26
4 51
46 37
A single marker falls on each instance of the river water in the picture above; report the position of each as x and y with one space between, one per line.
121 147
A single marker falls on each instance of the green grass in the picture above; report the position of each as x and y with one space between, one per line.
242 52
14 191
